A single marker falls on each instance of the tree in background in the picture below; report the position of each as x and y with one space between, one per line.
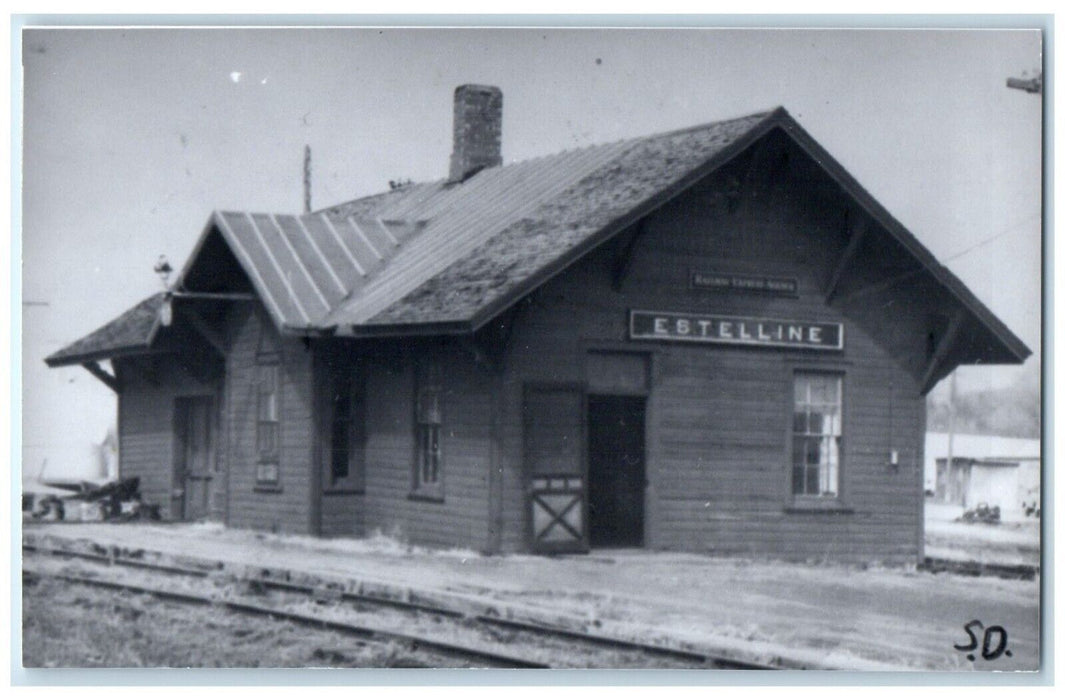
1013 411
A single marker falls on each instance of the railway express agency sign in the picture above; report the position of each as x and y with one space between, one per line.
734 330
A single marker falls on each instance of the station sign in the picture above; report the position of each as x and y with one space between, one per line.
734 330
755 284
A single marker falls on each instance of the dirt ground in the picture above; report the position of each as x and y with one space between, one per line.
870 618
1013 541
77 625
68 625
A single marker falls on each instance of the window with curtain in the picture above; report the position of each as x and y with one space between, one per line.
817 435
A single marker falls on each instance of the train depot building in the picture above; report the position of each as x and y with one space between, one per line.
712 340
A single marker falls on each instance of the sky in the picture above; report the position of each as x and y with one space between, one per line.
131 137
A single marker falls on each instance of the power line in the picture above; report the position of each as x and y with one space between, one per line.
892 281
987 240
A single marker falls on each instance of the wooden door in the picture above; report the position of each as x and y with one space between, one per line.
195 469
555 478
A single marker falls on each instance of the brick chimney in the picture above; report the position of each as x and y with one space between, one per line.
478 130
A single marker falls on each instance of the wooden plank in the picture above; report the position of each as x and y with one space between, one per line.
203 328
495 467
942 349
846 258
462 518
626 246
720 430
103 375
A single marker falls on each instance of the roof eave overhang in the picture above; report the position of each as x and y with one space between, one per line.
61 360
97 356
1017 351
491 310
1015 347
217 222
382 330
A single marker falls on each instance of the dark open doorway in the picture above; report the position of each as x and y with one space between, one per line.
615 470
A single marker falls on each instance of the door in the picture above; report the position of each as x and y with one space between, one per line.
553 430
616 470
195 468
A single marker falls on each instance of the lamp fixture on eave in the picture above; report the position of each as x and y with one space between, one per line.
163 269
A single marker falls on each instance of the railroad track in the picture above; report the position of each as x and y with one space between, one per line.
1023 572
481 658
485 639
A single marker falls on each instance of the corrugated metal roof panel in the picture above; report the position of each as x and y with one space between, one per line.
306 266
272 282
314 258
399 254
462 217
435 254
588 190
339 253
365 256
306 294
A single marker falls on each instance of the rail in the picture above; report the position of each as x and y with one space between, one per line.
273 580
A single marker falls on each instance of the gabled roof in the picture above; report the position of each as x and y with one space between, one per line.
444 257
130 333
430 257
490 239
305 267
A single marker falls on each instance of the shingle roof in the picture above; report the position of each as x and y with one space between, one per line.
490 235
130 333
437 253
447 257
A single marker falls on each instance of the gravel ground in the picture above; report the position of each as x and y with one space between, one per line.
848 617
67 625
1013 541
65 628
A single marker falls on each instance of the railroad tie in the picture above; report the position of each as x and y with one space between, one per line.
328 593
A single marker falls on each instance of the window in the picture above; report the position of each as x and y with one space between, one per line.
817 435
428 462
347 446
268 423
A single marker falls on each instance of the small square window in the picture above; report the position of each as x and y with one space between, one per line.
266 473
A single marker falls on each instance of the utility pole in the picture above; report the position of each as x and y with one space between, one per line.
950 427
307 179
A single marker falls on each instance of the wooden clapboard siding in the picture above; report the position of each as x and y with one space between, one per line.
342 514
461 518
337 512
287 508
718 417
150 386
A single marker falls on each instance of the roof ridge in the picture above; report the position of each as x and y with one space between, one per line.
644 137
537 158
